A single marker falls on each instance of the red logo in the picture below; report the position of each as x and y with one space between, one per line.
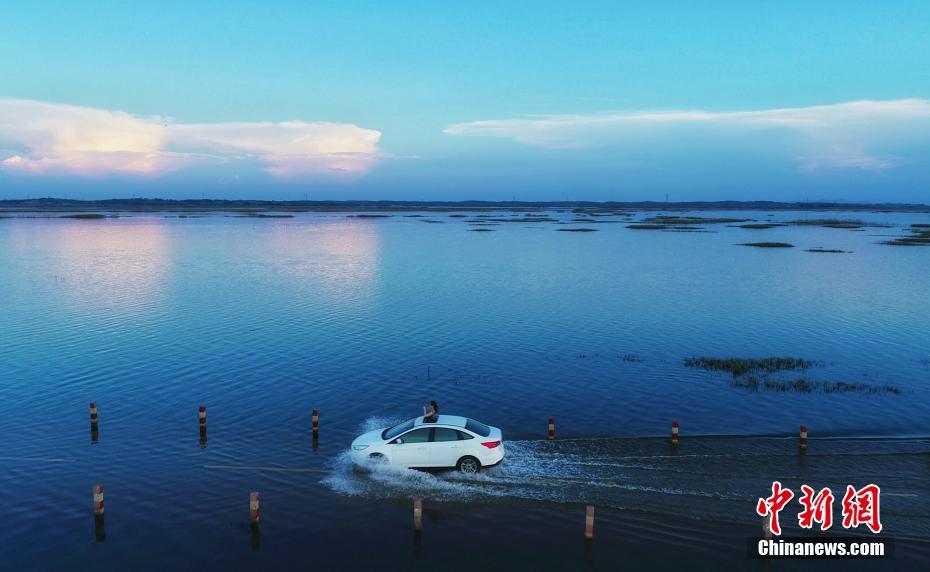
859 507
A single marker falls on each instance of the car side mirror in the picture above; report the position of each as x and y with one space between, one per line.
397 441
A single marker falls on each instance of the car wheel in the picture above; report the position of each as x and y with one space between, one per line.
468 465
377 458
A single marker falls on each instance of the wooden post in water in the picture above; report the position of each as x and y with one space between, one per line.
202 421
316 422
98 501
552 428
253 508
802 440
675 432
589 523
417 515
94 432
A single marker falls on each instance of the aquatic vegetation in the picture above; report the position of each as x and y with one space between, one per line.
918 237
524 219
799 385
843 387
759 225
828 250
632 358
742 366
851 224
680 220
481 230
754 375
432 221
264 215
647 226
576 229
369 215
87 216
457 216
768 244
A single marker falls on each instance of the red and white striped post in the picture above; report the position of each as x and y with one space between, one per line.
675 432
417 515
253 508
98 501
802 440
93 414
589 523
316 422
552 427
202 417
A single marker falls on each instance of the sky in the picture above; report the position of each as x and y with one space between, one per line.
789 100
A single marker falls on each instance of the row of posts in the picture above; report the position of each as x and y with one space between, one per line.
255 502
802 435
202 422
202 418
255 515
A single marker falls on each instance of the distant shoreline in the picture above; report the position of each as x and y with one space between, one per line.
156 205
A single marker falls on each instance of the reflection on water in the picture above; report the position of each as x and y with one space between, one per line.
109 265
336 259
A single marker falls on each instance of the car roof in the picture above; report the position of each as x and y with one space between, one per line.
450 420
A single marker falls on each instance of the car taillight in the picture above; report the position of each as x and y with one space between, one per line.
491 444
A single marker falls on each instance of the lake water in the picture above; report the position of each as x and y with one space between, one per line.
262 320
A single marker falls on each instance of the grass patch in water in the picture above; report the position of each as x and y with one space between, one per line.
827 250
845 223
524 219
917 238
742 366
263 215
753 375
680 220
87 216
647 226
576 229
368 215
768 244
758 225
481 230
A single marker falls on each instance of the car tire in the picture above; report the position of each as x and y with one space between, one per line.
468 465
377 458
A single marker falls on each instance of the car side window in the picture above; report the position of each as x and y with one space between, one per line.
445 434
463 435
415 436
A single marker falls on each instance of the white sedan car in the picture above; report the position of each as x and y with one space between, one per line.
450 441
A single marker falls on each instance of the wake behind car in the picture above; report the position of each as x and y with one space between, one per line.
450 441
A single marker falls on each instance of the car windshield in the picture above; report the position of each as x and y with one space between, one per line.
479 428
396 430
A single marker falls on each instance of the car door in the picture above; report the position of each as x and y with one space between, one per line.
411 448
446 448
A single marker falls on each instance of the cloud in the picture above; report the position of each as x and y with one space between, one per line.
831 136
51 138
